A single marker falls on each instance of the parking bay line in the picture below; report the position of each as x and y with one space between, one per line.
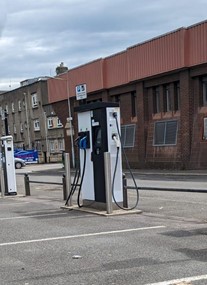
178 281
80 236
31 216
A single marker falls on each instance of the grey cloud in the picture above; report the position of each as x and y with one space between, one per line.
38 35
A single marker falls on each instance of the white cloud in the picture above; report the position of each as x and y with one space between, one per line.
35 36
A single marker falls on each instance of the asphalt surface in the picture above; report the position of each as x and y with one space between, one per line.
40 243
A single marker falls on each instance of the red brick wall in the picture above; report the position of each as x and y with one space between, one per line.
190 150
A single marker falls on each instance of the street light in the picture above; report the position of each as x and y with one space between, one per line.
69 119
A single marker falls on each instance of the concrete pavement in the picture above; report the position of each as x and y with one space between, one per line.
42 244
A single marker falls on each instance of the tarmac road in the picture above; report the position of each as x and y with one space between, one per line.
43 244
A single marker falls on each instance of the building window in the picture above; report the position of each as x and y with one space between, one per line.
117 98
6 109
21 128
167 99
128 135
59 124
156 100
36 125
19 105
61 144
205 129
204 85
34 100
12 107
15 129
134 104
165 133
176 96
38 145
52 145
50 123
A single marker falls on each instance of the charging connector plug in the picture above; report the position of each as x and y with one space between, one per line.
116 139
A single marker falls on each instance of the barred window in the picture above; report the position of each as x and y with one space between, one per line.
128 135
165 132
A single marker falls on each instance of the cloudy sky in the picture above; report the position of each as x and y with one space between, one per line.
36 36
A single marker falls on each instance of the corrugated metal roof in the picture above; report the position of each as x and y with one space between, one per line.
156 56
89 74
116 70
197 44
181 48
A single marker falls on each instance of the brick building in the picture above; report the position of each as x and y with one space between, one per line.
161 86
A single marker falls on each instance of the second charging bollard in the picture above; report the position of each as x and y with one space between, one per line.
125 198
67 178
26 184
107 168
64 188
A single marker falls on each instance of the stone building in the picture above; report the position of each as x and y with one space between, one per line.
31 120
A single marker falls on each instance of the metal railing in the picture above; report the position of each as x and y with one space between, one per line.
27 183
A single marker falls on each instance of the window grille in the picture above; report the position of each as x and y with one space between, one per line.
128 135
165 132
205 129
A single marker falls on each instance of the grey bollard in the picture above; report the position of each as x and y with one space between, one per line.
107 169
67 178
26 184
64 188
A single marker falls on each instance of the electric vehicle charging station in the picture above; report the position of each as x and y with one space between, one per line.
8 165
97 134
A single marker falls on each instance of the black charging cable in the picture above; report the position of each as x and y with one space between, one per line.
75 183
81 182
128 166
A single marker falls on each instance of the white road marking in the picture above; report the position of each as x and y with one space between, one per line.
31 216
178 281
168 199
80 236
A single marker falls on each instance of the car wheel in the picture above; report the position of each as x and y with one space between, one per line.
18 165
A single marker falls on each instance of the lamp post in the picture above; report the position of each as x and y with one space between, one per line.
46 136
70 123
69 119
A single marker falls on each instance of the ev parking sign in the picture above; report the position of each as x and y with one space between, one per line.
80 91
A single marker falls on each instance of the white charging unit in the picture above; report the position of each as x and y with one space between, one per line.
8 165
100 122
